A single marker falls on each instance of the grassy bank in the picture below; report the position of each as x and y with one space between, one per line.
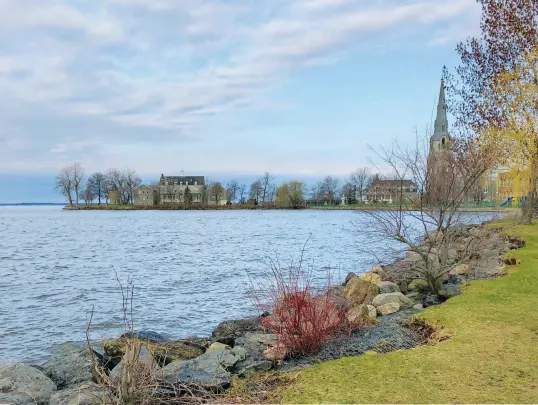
491 356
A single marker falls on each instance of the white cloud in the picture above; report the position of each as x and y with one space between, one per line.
129 72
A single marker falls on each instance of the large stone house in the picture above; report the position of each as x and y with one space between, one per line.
180 189
389 191
146 195
177 190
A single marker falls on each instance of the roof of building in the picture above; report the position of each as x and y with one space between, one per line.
440 129
190 180
151 187
392 183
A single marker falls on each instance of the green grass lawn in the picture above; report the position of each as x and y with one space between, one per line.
491 357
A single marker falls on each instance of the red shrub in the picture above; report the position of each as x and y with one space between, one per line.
301 320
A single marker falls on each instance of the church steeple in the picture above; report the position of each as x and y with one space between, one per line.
441 121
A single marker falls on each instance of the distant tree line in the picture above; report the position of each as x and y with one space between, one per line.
72 183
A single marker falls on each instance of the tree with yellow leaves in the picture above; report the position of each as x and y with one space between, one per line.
516 95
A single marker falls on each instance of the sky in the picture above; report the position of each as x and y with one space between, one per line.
222 88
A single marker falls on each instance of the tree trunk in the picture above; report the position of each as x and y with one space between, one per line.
528 207
76 193
70 198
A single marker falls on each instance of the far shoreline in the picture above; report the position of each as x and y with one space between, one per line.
238 207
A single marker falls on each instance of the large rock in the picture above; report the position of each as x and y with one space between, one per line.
430 300
71 364
276 353
372 312
228 331
388 308
218 346
165 353
450 290
143 359
396 297
146 335
419 285
460 270
21 384
86 394
349 277
359 315
210 371
377 270
373 278
360 291
255 343
388 287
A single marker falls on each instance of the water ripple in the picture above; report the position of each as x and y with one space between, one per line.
189 268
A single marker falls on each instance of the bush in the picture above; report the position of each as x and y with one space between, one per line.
301 319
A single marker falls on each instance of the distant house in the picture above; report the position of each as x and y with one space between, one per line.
146 195
177 190
388 191
113 197
173 189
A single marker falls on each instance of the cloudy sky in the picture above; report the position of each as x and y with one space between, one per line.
230 87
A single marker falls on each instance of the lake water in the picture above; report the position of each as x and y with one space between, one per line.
190 268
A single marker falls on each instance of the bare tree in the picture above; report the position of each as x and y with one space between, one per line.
116 182
350 193
271 194
360 179
232 189
77 175
316 192
265 185
97 182
132 181
256 190
424 224
64 184
88 194
242 191
330 188
216 192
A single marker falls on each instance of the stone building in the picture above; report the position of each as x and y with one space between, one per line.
146 195
389 191
113 197
178 190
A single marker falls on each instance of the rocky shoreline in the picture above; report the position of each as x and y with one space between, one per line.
382 301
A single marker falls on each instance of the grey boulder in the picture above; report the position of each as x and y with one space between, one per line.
85 394
227 331
388 287
21 384
210 371
70 364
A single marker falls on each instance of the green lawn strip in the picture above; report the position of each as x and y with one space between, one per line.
491 357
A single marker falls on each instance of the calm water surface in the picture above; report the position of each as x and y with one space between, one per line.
189 268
